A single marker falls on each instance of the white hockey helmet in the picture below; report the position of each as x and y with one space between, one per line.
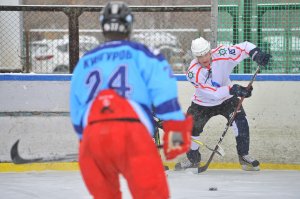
200 47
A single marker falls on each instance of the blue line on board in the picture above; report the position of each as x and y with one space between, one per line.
179 77
260 77
35 77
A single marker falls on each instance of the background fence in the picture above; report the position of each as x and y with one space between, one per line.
271 24
50 39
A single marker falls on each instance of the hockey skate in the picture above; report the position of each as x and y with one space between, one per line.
192 160
248 163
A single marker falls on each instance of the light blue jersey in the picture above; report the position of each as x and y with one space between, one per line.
143 77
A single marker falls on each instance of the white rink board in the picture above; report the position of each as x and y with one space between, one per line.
273 113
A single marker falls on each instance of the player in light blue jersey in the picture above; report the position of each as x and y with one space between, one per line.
114 90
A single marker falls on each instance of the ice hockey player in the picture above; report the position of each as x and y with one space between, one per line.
113 90
215 95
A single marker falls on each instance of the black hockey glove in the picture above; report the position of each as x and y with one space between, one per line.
260 57
240 91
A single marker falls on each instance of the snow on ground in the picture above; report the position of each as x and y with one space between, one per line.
230 184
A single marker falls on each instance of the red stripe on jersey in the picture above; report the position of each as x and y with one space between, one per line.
195 98
197 74
208 87
216 49
223 58
192 66
227 58
241 49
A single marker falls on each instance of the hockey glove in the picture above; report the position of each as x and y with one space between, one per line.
177 137
240 91
260 57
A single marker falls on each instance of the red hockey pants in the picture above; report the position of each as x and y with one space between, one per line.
111 148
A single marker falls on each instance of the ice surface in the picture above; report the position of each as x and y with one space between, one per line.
183 185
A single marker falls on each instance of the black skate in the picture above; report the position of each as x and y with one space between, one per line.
248 163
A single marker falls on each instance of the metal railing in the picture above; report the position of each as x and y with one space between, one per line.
170 19
74 12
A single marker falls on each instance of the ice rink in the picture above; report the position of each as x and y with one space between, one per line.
230 184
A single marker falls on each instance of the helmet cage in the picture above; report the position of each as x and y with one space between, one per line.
116 17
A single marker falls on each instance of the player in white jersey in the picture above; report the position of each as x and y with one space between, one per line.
215 95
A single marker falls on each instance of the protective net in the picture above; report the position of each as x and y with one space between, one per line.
38 40
274 26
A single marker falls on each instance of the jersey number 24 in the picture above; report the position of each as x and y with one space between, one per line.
117 81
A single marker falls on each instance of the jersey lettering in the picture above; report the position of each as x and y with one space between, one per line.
118 81
231 51
109 56
93 81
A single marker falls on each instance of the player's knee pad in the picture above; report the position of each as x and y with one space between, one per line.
194 145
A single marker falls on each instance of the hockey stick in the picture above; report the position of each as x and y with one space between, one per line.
219 151
204 168
17 159
158 124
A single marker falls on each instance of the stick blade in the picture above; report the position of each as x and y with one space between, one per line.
16 158
202 169
14 150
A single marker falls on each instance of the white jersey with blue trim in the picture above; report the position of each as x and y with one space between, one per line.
212 83
143 77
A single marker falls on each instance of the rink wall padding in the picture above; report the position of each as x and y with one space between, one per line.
35 109
73 166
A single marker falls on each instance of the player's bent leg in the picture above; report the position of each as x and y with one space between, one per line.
241 128
144 170
201 115
192 159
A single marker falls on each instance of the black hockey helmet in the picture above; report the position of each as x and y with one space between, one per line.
116 17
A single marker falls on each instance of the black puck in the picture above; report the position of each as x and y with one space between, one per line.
213 189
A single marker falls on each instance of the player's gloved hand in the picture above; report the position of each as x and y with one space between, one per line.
260 57
177 137
240 91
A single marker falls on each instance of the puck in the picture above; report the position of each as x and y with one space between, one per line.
213 189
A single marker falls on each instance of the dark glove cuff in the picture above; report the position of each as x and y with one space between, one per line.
254 52
233 90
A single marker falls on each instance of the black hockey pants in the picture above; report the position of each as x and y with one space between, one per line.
202 114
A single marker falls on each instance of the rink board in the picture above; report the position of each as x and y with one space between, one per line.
35 109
